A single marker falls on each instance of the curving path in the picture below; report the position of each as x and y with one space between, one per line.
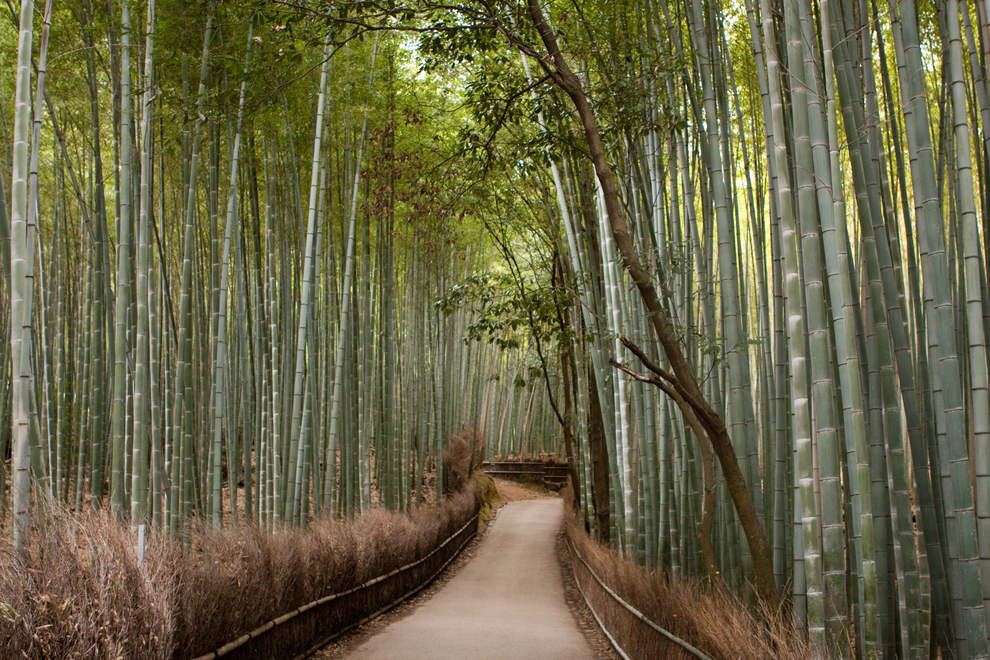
506 603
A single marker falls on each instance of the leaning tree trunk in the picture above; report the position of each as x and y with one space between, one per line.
682 378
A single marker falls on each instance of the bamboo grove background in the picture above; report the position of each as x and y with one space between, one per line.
234 272
805 182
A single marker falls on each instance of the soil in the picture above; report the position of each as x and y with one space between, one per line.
510 491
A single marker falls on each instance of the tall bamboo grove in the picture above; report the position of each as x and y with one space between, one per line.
727 257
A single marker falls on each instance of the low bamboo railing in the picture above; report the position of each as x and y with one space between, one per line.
306 629
632 611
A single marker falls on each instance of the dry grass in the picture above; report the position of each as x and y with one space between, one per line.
79 592
713 620
465 451
488 492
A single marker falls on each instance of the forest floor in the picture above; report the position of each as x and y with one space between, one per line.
508 595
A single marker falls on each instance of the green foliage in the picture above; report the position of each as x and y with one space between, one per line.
507 311
446 43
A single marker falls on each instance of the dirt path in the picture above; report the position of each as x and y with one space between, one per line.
508 602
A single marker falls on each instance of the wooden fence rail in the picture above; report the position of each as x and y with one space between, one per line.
632 610
306 629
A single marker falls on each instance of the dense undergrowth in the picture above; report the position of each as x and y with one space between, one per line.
712 619
78 592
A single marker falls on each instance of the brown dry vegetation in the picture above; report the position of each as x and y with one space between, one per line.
464 452
713 620
79 592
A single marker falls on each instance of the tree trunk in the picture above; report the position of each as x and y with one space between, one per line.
599 460
683 380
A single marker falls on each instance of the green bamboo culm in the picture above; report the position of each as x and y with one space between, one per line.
345 308
296 465
123 279
221 357
20 283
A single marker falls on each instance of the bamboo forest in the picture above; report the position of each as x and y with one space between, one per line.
262 261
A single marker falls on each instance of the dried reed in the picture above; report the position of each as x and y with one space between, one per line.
79 593
711 618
